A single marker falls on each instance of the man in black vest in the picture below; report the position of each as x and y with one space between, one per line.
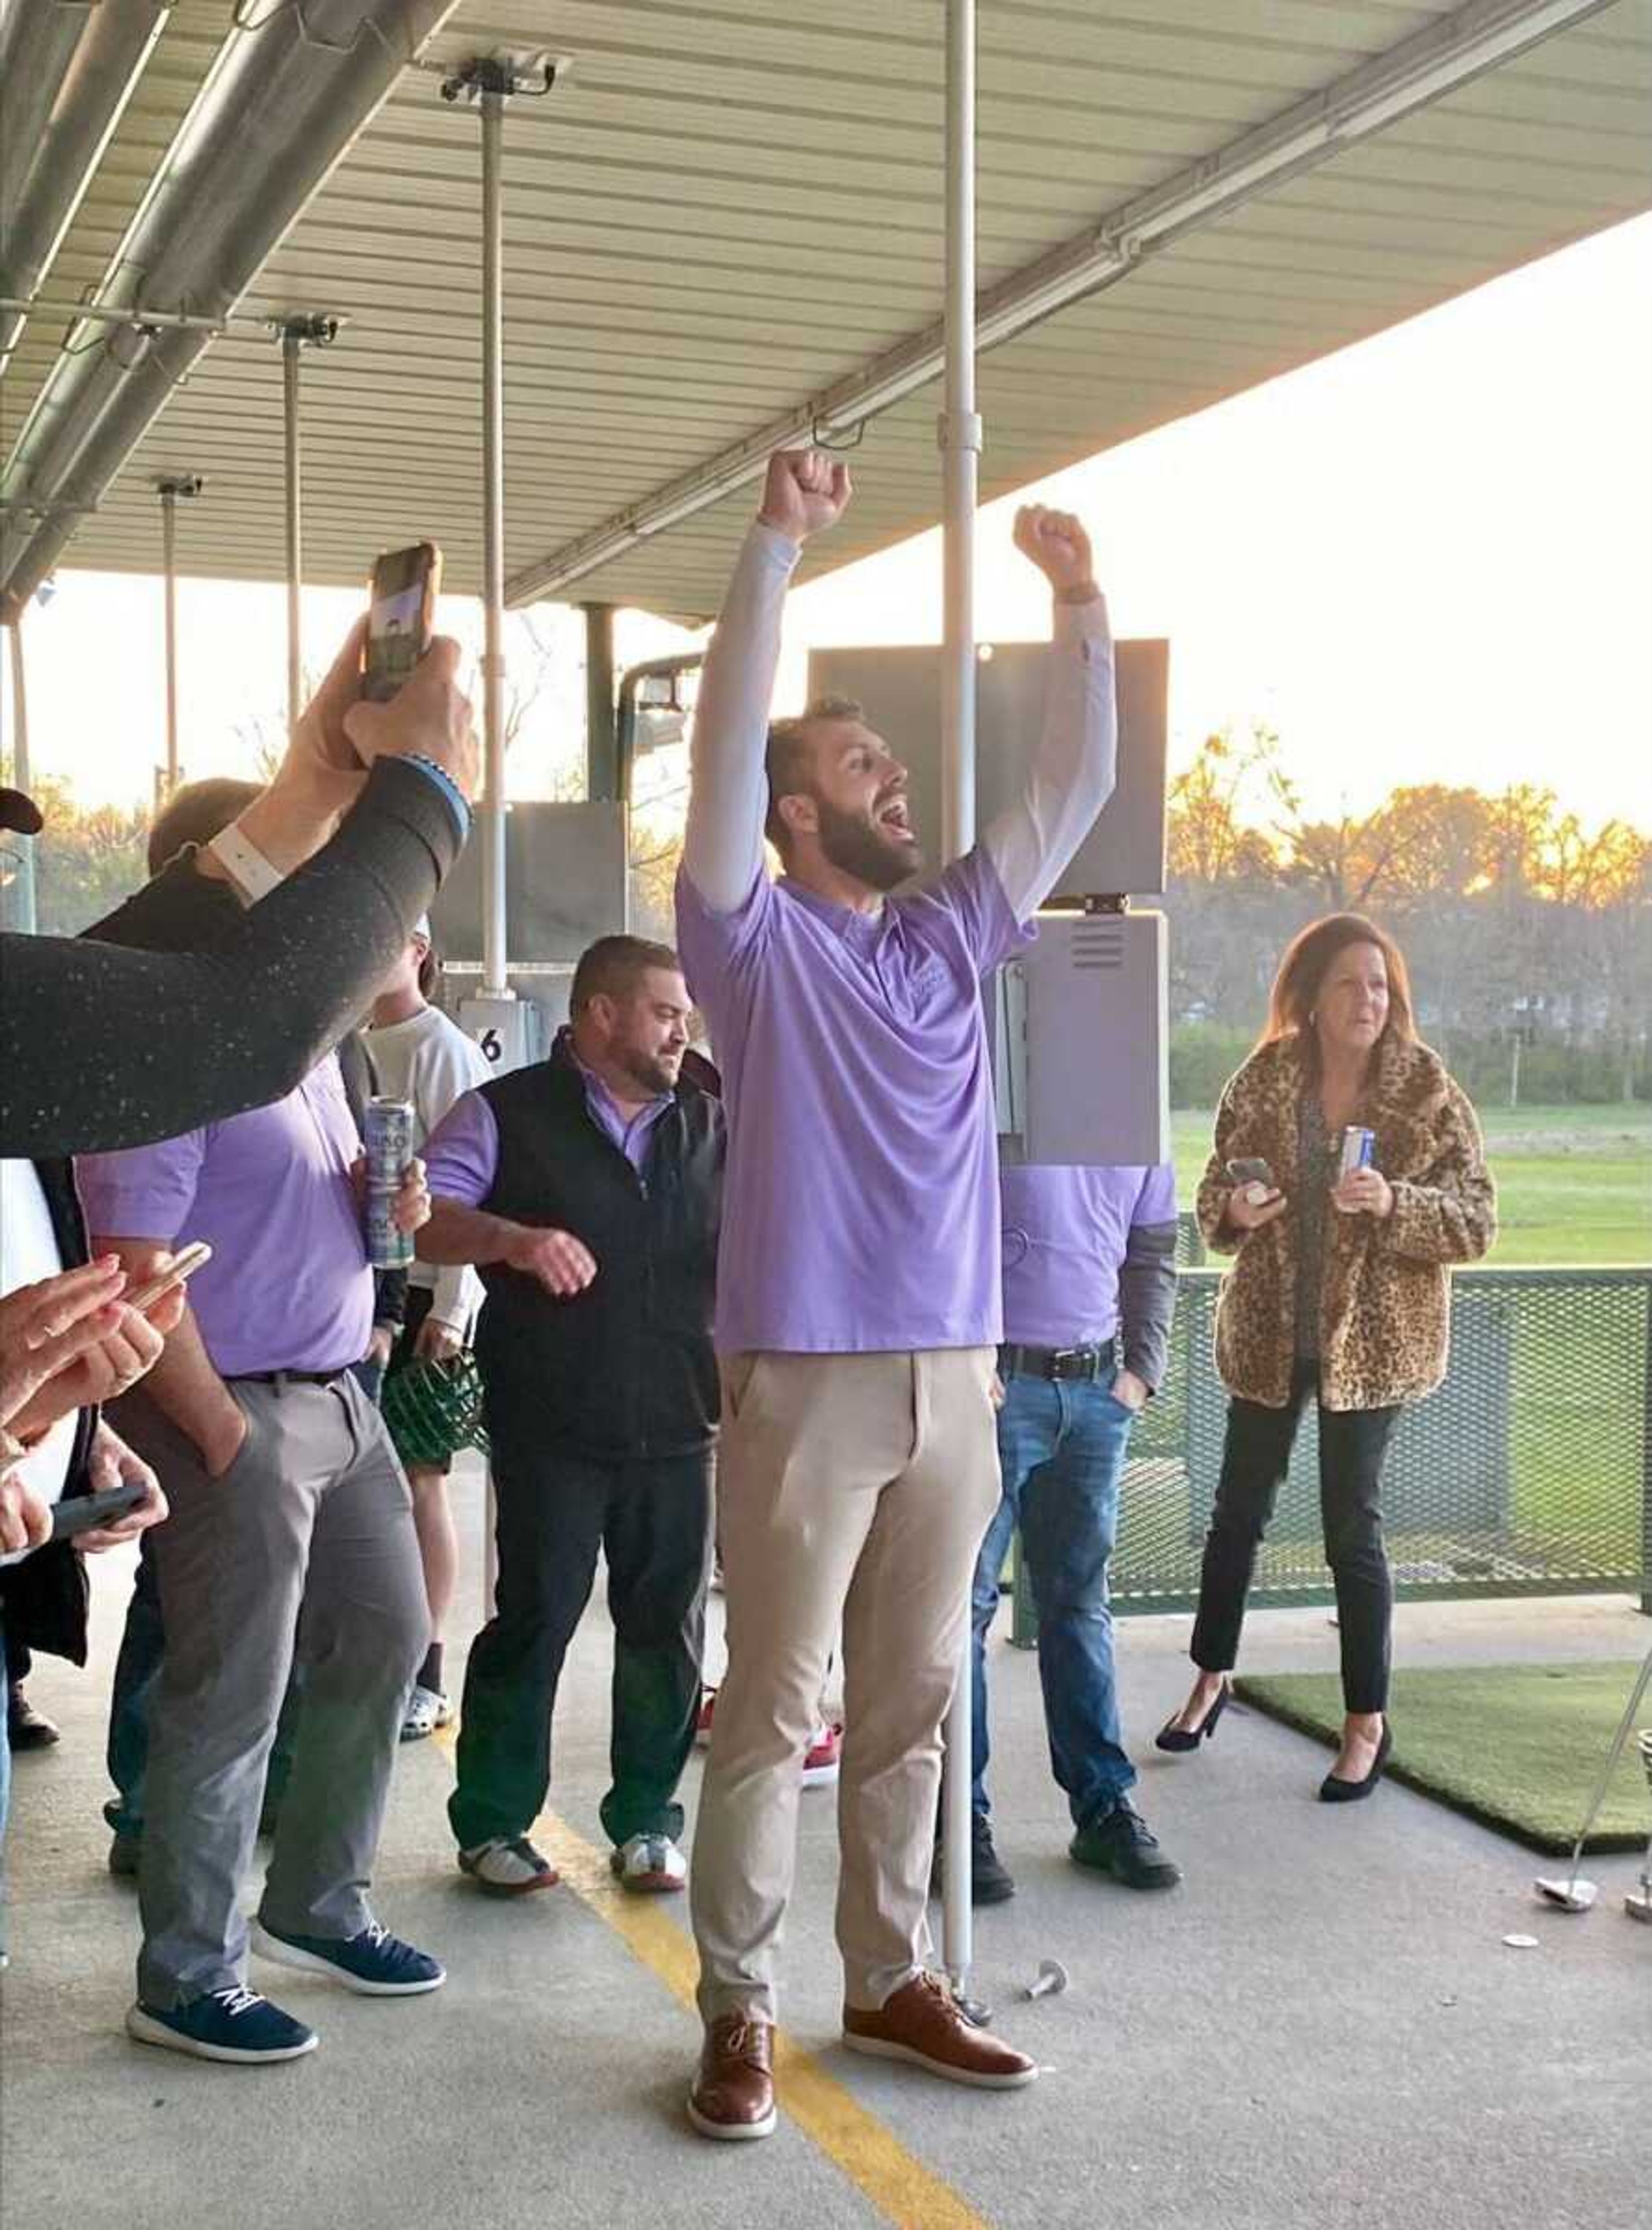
587 1190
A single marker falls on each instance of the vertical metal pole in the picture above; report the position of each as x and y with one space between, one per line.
961 437
168 563
494 955
602 754
291 344
23 904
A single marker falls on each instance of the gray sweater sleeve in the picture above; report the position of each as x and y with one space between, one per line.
102 1048
1148 1299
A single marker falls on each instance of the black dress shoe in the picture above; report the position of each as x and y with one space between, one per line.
26 1728
1333 1791
991 1881
1172 1738
1121 1844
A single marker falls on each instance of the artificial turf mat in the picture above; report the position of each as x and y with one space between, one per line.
1517 1746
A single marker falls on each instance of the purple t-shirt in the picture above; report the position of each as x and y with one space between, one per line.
1066 1231
860 1210
288 1287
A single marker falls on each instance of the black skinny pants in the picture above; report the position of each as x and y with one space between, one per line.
652 1521
1255 1459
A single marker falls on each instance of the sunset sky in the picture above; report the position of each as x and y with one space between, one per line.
1426 558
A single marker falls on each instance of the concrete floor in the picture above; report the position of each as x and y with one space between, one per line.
1322 2027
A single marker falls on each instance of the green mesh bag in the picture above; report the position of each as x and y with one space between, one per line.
434 1410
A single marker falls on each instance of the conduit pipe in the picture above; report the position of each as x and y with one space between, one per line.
66 72
283 100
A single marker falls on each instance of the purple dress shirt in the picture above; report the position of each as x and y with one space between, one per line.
860 1212
288 1287
1066 1231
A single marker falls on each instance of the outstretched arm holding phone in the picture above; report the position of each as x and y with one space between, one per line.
246 1015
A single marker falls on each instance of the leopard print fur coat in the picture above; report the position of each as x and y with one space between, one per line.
1385 1294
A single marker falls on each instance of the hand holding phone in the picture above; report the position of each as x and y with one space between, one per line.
182 1267
86 1513
401 617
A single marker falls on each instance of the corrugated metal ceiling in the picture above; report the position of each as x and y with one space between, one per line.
721 213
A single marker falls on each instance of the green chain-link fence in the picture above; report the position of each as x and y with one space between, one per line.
1529 1473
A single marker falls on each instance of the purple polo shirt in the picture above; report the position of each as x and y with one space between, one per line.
288 1287
461 1155
860 1212
1066 1231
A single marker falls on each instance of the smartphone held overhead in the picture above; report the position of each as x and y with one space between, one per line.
401 617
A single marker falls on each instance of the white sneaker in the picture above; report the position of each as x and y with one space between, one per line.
649 1864
508 1866
427 1708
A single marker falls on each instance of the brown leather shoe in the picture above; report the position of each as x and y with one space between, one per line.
922 2023
734 2093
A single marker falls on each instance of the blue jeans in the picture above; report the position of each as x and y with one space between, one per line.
1061 1445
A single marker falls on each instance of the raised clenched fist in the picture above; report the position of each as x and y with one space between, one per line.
804 492
1057 543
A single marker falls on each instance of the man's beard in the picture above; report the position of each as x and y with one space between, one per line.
648 1069
854 846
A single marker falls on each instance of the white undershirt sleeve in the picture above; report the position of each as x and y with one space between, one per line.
1073 773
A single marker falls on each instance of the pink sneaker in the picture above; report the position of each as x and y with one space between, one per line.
823 1756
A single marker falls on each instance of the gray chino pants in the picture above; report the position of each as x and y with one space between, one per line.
305 1547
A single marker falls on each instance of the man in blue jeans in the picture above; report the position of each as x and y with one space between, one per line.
1089 1285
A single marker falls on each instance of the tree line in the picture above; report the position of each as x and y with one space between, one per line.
1528 934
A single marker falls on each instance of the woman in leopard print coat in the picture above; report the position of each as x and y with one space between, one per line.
1340 1291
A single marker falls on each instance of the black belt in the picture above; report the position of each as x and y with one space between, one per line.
284 1377
1086 1363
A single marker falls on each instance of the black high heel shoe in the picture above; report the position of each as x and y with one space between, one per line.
1175 1739
1333 1791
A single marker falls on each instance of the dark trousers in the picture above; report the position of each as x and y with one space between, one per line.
1255 1459
652 1522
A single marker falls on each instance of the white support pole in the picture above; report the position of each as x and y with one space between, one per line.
495 958
961 439
22 903
169 567
292 342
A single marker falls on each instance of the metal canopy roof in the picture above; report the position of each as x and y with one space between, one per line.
729 208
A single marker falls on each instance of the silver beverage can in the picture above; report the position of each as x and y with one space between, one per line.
1358 1151
388 1140
386 1247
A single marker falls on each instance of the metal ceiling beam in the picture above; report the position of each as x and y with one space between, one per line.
66 72
1450 55
285 98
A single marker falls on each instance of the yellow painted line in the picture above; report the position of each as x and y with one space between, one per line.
899 2185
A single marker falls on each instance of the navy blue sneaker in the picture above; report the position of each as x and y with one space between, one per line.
233 2024
376 1963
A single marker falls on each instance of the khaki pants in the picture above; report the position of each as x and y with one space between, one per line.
852 1489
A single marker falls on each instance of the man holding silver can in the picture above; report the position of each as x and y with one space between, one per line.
292 1533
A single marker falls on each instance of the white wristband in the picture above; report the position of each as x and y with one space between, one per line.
246 865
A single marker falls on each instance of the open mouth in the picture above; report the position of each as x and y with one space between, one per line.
894 818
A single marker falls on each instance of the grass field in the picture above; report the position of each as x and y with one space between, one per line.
1574 1184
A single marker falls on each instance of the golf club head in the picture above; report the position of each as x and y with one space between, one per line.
1570 1895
